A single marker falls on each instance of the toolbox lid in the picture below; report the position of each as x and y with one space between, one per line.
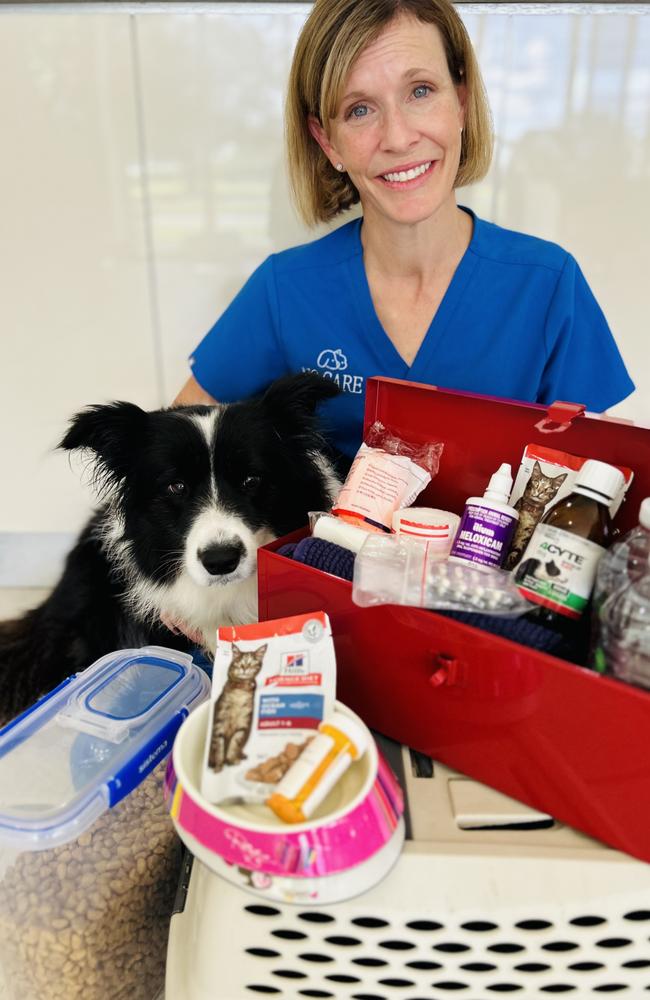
83 747
481 432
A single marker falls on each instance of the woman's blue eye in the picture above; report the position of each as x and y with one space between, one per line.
358 111
421 90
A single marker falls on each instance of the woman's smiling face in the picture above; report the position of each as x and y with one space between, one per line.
397 129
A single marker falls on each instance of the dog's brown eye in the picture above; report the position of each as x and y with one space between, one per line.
176 489
251 482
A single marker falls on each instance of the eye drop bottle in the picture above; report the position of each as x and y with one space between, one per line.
487 524
340 740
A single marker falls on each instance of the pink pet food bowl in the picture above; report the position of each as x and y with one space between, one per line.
351 843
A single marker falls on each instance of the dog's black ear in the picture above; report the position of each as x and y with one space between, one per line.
111 431
291 401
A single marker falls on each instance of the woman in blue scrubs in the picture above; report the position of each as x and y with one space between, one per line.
386 108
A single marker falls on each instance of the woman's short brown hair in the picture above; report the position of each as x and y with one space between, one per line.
334 35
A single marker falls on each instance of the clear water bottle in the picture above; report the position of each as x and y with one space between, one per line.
625 636
624 562
626 559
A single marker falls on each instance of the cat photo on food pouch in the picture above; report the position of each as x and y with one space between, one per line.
233 710
540 491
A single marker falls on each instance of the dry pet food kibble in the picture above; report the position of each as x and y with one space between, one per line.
90 919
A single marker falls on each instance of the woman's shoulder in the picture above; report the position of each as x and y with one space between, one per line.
512 247
332 248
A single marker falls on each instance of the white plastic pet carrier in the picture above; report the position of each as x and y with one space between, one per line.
488 898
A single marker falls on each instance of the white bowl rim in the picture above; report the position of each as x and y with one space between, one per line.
190 789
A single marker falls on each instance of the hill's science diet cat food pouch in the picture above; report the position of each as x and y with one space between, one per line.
272 684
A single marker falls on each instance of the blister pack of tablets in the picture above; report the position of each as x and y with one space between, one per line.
392 569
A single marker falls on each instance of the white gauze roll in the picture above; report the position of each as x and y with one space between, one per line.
437 527
333 529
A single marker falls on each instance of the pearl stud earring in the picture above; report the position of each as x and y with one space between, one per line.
339 167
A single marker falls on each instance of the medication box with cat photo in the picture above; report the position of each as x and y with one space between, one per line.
528 717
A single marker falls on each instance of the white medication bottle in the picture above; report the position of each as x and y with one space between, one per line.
487 524
340 740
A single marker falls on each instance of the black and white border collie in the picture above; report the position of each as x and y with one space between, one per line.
187 497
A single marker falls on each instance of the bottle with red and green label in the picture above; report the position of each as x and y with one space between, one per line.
558 568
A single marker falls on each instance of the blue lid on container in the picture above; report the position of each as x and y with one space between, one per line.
87 744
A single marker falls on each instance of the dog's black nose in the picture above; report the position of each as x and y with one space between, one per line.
221 559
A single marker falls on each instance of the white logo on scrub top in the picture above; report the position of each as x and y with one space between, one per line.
332 362
333 359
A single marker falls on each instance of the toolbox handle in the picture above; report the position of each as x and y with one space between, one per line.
559 416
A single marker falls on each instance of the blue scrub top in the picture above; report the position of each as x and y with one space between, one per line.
518 320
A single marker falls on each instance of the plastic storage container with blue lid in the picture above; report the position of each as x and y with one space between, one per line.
88 856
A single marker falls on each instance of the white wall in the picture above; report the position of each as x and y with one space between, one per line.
142 180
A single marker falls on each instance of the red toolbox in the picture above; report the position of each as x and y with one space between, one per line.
553 735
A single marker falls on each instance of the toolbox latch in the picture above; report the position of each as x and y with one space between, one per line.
447 670
559 416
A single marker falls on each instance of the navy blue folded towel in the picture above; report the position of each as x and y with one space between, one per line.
326 556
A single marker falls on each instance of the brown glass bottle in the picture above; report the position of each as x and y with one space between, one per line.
558 569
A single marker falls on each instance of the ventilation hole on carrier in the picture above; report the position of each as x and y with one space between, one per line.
613 943
396 982
345 942
262 989
532 967
397 945
315 956
339 977
263 952
289 974
423 963
315 993
479 925
505 949
560 946
533 925
611 988
369 922
370 962
316 917
636 963
557 988
289 935
262 911
449 984
587 921
586 966
367 996
637 915
478 967
451 947
505 987
424 925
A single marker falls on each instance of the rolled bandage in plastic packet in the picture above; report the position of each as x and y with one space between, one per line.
386 474
438 527
333 529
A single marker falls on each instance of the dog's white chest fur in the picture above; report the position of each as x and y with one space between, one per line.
208 608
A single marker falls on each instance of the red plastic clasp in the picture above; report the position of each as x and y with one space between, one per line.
447 670
559 416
